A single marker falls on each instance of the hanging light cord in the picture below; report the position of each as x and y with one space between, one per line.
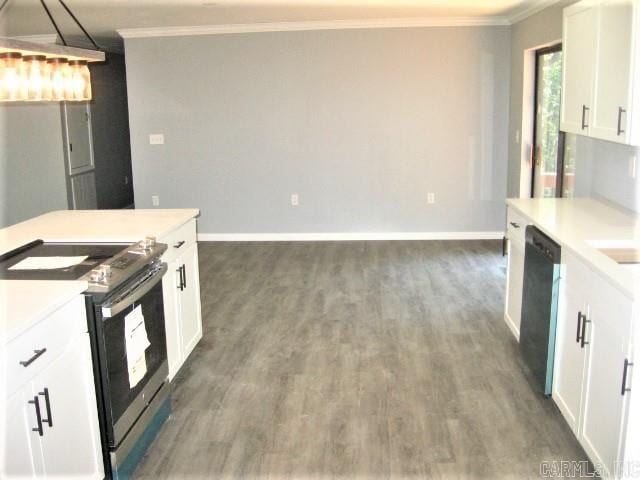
55 25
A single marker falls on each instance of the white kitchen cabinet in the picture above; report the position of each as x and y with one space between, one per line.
71 441
516 226
181 290
52 428
599 92
578 43
515 279
570 356
190 301
20 458
593 342
613 82
605 405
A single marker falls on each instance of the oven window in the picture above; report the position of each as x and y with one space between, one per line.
115 371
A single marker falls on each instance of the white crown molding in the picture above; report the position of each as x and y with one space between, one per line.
312 25
346 237
531 10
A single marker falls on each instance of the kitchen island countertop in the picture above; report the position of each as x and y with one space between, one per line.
23 303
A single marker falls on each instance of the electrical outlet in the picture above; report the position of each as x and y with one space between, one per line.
295 201
431 198
517 136
155 200
156 139
633 160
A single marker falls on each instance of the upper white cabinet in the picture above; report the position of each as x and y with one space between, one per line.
599 94
578 44
181 291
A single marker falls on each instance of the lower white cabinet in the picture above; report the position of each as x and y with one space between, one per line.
181 291
52 428
592 365
515 279
516 227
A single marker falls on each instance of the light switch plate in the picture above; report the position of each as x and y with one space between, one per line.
156 139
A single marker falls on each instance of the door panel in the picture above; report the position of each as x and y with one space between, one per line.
20 446
171 293
579 44
71 445
190 302
612 93
604 408
515 275
570 357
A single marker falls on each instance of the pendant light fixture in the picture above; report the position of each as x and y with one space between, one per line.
34 72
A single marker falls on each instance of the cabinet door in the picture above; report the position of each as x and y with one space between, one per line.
604 405
515 276
19 444
570 356
190 314
579 43
170 297
613 70
71 443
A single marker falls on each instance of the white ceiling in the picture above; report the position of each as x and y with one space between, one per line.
103 17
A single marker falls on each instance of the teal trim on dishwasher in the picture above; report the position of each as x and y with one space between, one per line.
553 322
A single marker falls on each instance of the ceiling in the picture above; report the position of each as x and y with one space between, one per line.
103 17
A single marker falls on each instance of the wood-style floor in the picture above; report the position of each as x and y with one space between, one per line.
356 360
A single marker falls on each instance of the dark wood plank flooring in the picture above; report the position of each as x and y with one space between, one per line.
355 360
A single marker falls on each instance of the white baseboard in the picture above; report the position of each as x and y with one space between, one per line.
345 237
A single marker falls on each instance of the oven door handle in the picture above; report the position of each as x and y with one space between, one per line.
109 310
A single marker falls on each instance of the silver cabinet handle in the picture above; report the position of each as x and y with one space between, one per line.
515 225
179 244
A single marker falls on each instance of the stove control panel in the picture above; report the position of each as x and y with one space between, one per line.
124 265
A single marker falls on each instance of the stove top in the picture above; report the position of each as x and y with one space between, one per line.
103 266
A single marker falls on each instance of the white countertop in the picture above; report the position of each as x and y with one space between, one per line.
108 226
24 302
583 224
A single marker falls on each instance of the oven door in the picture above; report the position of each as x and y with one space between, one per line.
126 395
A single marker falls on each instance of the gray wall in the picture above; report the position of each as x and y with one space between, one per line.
32 163
360 123
110 128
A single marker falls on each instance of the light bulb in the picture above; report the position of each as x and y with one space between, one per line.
35 73
11 78
58 79
80 84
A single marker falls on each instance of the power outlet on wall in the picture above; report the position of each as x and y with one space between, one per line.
295 201
431 198
155 200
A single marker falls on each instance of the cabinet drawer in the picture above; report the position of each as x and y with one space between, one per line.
52 334
516 226
179 240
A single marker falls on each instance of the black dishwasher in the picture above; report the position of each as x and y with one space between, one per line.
540 306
